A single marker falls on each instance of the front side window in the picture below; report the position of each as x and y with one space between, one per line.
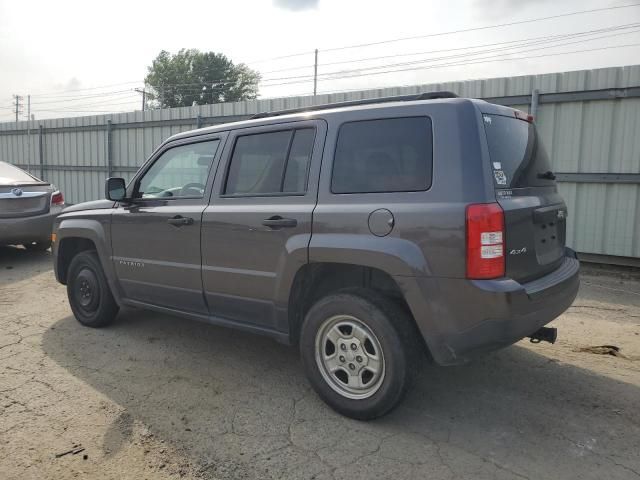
270 163
387 155
180 172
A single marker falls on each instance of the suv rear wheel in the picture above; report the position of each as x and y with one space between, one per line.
89 295
360 352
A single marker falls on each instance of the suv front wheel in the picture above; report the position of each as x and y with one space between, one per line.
360 352
89 295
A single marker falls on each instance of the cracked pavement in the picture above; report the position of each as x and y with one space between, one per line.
155 396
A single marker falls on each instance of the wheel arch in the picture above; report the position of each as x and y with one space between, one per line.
316 280
77 235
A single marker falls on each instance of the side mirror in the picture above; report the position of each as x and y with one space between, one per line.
115 189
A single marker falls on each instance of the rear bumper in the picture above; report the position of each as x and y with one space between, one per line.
27 229
462 318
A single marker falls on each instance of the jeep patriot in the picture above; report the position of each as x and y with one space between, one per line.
367 233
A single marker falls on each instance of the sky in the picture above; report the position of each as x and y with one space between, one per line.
81 58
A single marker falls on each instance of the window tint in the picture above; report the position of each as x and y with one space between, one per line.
390 155
295 178
180 172
273 162
517 154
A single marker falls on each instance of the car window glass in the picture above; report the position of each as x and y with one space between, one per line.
295 177
518 157
10 174
270 163
180 172
388 155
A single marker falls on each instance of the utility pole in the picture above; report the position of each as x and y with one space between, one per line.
144 97
28 131
315 74
17 111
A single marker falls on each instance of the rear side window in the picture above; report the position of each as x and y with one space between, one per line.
518 157
270 163
387 155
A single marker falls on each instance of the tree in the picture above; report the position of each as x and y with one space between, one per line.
191 77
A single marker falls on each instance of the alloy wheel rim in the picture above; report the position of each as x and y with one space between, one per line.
349 357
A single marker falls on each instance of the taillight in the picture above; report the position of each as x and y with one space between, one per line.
57 198
485 241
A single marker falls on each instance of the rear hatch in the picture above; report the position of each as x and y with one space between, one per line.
22 195
534 212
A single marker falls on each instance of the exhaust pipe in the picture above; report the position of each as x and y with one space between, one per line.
544 334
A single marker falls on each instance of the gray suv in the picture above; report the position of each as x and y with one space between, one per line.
366 233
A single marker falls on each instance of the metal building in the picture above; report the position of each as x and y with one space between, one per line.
590 122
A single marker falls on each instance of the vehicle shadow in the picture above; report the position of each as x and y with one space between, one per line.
240 404
18 263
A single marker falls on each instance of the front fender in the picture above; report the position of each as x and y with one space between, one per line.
89 229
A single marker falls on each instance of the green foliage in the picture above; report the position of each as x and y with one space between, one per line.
191 77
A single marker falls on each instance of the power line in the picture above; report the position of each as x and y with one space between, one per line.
52 94
119 93
568 35
202 87
486 27
469 62
328 75
380 57
416 62
198 87
85 111
105 103
451 32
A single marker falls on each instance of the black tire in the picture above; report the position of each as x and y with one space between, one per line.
39 246
396 335
89 294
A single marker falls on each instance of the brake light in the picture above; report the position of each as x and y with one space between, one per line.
485 241
57 198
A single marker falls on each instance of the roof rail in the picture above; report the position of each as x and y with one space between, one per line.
351 103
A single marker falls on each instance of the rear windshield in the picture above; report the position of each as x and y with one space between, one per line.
518 157
10 174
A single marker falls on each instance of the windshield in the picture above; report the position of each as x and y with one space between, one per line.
518 157
12 175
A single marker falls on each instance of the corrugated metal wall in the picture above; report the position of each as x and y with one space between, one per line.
583 136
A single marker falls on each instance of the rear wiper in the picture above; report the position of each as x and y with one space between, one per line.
548 175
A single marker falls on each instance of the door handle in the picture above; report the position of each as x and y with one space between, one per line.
278 222
179 221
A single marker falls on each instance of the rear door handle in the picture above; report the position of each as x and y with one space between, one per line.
179 221
278 222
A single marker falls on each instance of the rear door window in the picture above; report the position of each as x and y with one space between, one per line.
387 155
518 157
270 163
